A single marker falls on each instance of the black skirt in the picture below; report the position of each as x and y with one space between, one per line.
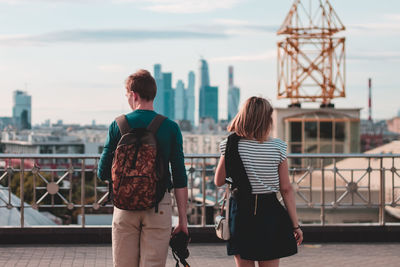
261 231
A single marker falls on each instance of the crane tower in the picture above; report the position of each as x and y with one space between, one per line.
311 59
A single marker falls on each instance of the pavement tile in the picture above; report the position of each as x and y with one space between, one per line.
204 255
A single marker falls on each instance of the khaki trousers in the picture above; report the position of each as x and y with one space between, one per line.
141 238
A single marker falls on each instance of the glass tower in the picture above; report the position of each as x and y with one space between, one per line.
159 100
233 96
180 101
169 96
22 110
204 82
190 98
208 104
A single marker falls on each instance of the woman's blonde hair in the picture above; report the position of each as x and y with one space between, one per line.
254 120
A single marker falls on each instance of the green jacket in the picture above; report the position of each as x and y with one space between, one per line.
169 138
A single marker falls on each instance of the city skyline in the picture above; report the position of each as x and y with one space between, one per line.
177 103
74 56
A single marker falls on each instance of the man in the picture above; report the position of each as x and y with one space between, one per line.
140 238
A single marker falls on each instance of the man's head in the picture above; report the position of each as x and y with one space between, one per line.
141 88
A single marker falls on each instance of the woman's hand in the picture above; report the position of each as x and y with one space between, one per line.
298 234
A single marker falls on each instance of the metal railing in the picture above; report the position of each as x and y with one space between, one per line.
67 187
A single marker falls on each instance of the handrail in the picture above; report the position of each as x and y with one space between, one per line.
321 183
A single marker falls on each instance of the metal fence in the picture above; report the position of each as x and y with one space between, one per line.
66 188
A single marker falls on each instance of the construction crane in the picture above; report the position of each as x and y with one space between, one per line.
311 60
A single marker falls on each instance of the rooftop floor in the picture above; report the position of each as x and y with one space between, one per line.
310 255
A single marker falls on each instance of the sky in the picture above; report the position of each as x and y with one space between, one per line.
73 56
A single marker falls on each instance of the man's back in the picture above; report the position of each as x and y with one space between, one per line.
169 140
141 237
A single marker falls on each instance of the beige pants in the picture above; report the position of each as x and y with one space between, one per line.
140 238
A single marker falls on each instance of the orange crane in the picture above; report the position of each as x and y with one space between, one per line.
311 60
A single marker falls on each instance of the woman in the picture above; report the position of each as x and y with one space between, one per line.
262 229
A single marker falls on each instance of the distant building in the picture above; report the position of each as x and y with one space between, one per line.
164 102
169 96
319 130
202 143
393 125
204 81
22 110
233 96
378 133
6 122
180 101
159 100
54 140
190 98
210 97
208 103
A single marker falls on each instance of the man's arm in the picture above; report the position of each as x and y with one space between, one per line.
105 162
181 196
179 180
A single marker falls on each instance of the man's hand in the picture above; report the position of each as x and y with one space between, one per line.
181 228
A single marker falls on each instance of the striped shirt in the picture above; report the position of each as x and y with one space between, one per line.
261 162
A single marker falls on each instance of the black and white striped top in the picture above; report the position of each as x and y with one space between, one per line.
261 162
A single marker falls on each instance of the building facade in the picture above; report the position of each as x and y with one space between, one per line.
169 96
208 102
190 98
180 101
159 100
22 110
319 130
233 96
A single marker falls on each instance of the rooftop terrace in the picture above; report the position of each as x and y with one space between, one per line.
204 255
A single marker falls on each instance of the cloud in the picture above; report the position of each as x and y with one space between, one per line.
375 55
162 6
233 27
105 36
186 6
390 24
269 55
112 68
242 26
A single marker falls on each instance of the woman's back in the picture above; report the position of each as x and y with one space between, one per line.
261 162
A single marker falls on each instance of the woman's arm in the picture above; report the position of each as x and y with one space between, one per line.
286 190
220 172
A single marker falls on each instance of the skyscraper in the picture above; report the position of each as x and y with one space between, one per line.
180 101
22 109
164 101
159 100
208 107
190 98
169 96
204 81
233 96
211 100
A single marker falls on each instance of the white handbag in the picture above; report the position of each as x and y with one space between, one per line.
221 221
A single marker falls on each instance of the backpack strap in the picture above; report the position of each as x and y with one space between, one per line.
156 123
123 124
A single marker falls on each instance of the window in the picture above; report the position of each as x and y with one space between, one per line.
339 131
295 132
310 131
325 131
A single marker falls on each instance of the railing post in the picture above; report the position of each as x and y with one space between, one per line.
382 196
21 192
322 216
203 189
83 192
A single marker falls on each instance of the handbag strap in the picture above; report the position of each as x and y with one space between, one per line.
226 200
